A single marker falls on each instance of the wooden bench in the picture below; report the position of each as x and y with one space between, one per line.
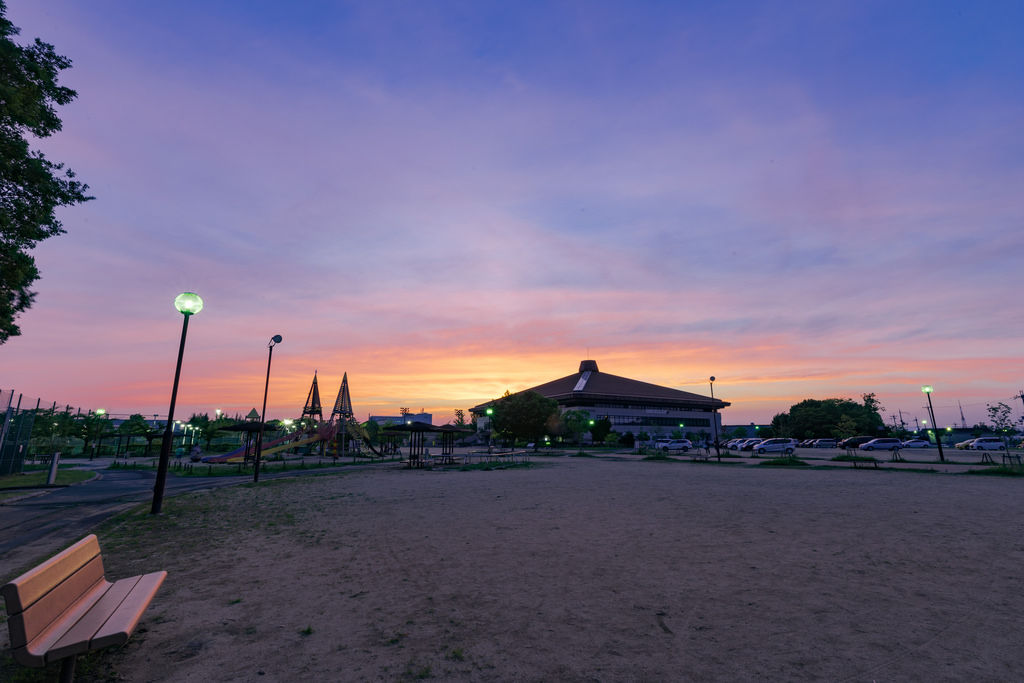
65 607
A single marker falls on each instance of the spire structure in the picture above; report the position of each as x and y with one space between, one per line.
312 407
343 404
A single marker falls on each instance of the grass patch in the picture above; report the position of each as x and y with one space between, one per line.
39 478
788 461
854 458
1000 471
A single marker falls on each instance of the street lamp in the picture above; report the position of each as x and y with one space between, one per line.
274 341
714 417
188 304
927 389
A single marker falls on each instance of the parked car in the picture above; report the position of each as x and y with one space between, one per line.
988 443
886 444
854 441
674 445
965 445
916 443
786 446
750 444
825 443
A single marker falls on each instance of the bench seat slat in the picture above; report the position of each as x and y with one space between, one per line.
35 583
117 629
74 595
34 652
76 639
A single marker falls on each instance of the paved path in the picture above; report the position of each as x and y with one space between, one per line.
38 525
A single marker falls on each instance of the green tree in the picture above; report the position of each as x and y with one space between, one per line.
215 428
577 423
813 418
50 430
372 428
845 428
31 187
526 415
91 427
600 430
460 417
135 425
1001 417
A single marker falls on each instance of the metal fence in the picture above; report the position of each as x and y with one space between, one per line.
20 413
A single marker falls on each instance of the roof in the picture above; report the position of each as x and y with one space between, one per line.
590 385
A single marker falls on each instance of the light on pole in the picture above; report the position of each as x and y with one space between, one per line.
927 389
714 418
274 341
188 304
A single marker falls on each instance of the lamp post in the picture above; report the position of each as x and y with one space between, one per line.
274 341
188 304
927 389
714 418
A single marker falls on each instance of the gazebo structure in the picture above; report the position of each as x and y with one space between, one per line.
418 431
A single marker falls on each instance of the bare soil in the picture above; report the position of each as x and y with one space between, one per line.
581 570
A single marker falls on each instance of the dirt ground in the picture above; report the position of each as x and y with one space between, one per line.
581 569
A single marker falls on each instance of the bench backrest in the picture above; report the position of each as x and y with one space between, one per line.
41 595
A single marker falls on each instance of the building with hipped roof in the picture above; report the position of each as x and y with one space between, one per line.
630 405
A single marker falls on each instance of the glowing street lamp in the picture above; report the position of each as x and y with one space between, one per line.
274 341
188 304
927 389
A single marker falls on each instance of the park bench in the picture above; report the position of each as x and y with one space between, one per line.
65 607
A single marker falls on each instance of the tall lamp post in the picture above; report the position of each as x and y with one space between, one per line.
714 418
188 304
927 389
274 341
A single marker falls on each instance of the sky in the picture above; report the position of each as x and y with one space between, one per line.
448 200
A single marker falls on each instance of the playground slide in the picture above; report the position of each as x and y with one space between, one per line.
238 455
286 446
357 431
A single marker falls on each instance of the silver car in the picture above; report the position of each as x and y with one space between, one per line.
786 446
988 443
886 444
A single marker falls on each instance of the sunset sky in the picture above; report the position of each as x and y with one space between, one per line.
448 200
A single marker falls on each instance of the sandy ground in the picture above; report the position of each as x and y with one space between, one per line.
581 569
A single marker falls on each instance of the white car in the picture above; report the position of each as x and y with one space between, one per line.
786 446
916 443
988 443
886 444
674 445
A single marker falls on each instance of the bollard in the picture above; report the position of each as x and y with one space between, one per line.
52 477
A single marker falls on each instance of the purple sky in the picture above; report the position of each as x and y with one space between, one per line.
450 199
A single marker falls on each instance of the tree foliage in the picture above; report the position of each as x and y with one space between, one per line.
1001 416
526 415
830 417
92 427
600 430
31 187
577 423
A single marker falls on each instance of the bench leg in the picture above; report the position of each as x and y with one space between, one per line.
67 669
